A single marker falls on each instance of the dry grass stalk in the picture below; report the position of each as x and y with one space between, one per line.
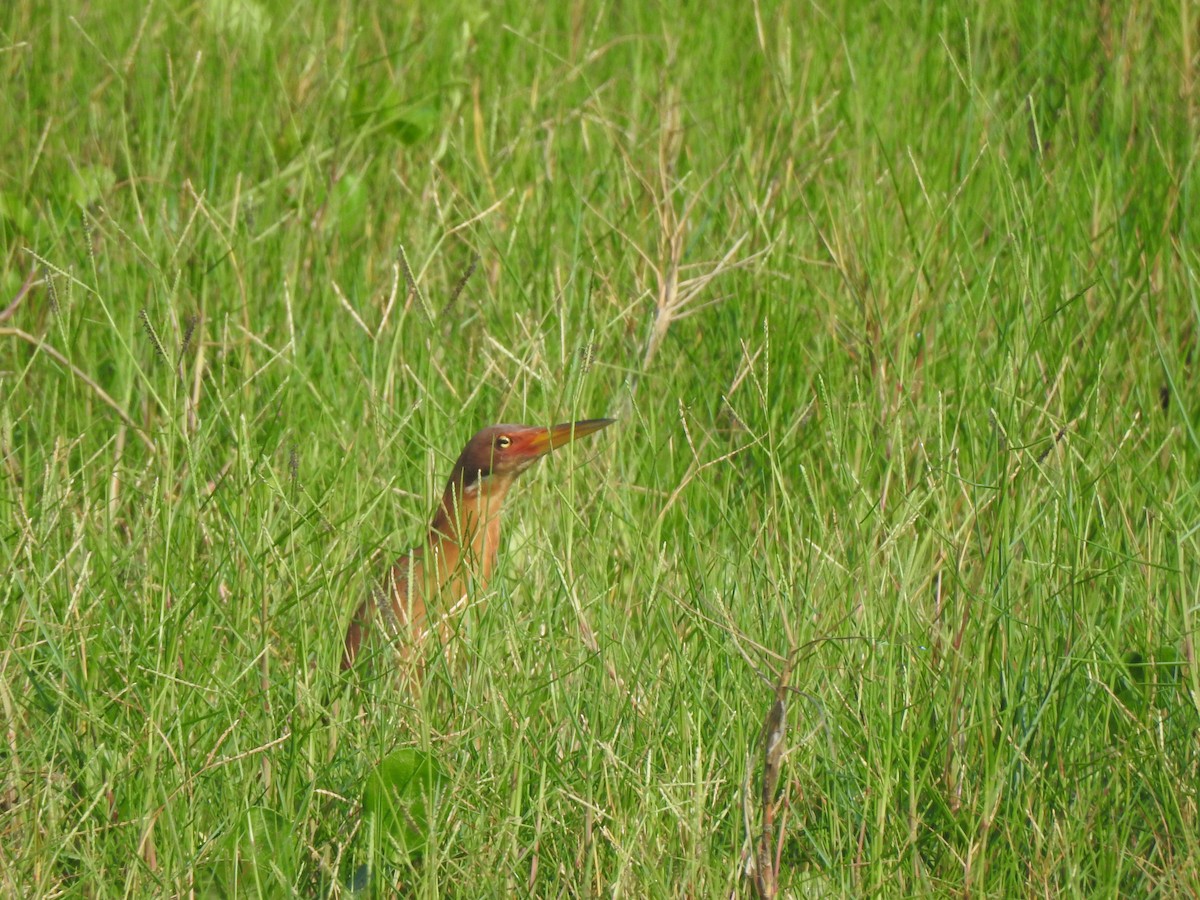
677 290
767 859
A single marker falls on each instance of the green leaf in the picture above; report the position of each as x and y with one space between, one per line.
410 124
399 794
257 854
90 184
348 206
1138 667
1169 664
386 112
14 214
243 21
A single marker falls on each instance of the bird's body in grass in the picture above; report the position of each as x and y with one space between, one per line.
464 537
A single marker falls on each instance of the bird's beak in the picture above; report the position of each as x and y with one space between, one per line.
543 441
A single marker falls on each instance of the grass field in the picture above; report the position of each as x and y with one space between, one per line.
896 305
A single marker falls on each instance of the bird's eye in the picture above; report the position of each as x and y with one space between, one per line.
503 441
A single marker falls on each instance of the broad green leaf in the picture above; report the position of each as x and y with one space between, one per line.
399 794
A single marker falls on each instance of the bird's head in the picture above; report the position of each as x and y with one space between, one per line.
502 452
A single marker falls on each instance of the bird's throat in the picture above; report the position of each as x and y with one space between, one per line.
465 535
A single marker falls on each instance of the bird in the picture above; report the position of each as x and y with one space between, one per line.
461 547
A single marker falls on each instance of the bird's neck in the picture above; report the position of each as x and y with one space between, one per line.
465 534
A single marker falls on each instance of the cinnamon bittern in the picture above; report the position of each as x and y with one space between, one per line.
460 549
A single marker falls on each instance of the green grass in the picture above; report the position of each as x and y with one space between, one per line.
929 433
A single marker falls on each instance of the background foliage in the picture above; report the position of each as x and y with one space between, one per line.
896 304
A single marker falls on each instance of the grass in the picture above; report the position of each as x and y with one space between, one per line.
897 305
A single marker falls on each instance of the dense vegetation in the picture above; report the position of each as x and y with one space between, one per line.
896 305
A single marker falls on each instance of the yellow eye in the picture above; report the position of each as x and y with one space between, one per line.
503 441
